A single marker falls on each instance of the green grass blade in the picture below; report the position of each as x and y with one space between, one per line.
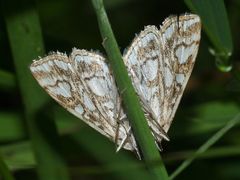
212 153
18 156
26 44
5 173
7 80
215 23
206 146
130 100
11 127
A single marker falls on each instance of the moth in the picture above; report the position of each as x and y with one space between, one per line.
159 63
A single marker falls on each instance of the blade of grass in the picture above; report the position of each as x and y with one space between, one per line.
18 155
5 173
26 43
7 80
209 154
130 100
11 127
215 22
206 146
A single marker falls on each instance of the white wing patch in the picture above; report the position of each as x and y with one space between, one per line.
159 62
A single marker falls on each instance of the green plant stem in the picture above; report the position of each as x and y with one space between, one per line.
130 100
206 146
26 44
4 171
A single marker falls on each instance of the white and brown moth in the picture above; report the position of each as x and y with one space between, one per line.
159 62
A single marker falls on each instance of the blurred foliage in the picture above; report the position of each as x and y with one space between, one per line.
218 31
210 101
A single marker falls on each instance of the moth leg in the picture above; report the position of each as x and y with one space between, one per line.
159 146
122 143
119 120
124 140
128 135
128 132
162 134
153 120
104 40
116 137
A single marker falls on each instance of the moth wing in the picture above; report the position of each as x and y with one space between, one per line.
179 38
159 63
97 81
58 75
144 63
